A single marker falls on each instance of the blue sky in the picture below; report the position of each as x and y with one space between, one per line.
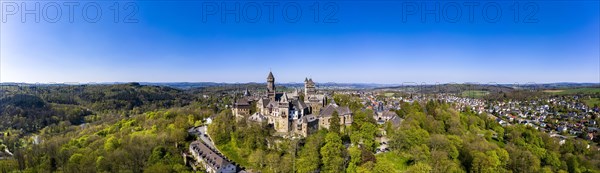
351 41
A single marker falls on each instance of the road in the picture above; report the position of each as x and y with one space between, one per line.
383 142
202 134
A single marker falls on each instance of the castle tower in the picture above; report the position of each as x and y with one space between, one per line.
309 89
271 86
270 83
283 120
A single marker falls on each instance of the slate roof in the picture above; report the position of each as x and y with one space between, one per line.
310 118
272 104
299 104
389 114
208 155
329 109
242 102
257 117
307 119
317 98
265 102
395 120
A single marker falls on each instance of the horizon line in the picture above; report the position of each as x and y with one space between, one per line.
367 83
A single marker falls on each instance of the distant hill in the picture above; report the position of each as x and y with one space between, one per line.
31 107
449 88
197 85
562 85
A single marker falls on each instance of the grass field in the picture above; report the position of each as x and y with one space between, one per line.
393 160
591 102
474 93
388 94
574 91
553 91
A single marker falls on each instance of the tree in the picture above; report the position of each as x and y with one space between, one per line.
257 159
408 136
136 152
334 122
111 144
383 167
552 159
441 163
417 107
441 143
273 159
221 127
355 159
573 164
522 160
368 132
157 168
499 132
75 162
484 163
419 167
333 152
419 153
285 164
158 153
309 159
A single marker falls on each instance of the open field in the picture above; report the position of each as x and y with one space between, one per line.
392 160
474 93
553 91
388 94
574 91
591 102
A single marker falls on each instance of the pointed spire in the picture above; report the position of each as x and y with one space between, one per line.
270 75
333 102
284 97
246 92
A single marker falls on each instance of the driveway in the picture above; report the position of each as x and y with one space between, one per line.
202 134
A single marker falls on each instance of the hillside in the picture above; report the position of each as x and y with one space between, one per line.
31 108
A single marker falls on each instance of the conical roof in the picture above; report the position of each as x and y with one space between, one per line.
270 76
246 93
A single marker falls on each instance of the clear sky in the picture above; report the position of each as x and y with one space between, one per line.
360 41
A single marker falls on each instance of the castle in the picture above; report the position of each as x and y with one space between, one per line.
288 113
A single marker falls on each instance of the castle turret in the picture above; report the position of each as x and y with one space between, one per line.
271 86
247 93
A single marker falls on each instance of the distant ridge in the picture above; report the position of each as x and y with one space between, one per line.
188 85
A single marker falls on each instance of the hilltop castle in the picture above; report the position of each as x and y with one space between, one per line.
287 113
